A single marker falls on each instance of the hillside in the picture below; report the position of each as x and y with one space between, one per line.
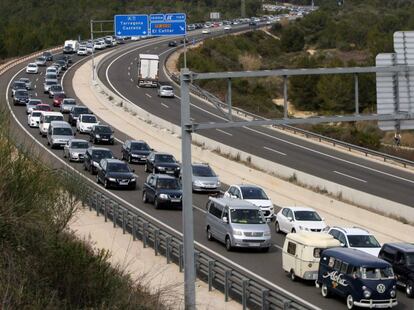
27 26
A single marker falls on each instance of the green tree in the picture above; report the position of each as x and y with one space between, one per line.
293 39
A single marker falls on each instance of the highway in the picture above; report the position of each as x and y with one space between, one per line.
118 71
265 265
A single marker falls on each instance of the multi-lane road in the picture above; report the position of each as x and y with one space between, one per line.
264 265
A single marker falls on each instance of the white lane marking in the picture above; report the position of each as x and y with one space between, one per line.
129 68
41 72
350 176
35 86
35 94
148 95
226 133
164 105
135 58
230 262
37 79
129 73
272 150
331 156
131 62
131 80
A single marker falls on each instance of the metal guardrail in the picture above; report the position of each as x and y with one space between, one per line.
222 107
217 274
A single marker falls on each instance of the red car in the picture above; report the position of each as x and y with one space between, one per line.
58 98
42 107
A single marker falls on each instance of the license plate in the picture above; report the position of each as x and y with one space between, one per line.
254 244
175 200
123 183
169 171
104 139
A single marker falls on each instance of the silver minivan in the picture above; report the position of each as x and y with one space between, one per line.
59 134
237 223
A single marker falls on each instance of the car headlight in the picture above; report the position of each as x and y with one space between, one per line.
393 293
112 136
237 233
163 196
178 168
74 154
134 155
112 179
267 233
133 179
98 136
198 183
218 183
160 168
95 164
303 228
367 294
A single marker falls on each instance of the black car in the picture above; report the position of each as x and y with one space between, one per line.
172 43
17 85
62 63
162 190
162 163
21 97
252 24
75 112
93 157
48 56
116 173
101 134
135 151
68 50
401 257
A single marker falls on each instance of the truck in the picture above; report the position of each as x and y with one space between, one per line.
148 70
70 46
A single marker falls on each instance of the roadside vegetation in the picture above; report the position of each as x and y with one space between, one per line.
333 36
42 264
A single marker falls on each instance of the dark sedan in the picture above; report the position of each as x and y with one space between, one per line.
101 134
93 157
162 163
75 112
21 97
163 191
135 151
116 173
48 55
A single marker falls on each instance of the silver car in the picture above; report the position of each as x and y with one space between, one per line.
31 104
75 149
166 91
204 179
47 84
67 105
41 61
237 223
59 134
27 82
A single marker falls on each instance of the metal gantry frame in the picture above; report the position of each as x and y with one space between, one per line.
101 30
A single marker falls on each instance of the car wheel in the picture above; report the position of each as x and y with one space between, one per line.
106 184
324 291
277 227
144 197
293 230
292 275
156 204
209 235
130 159
146 168
350 302
228 243
409 289
97 179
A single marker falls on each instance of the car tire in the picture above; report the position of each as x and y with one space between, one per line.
409 289
146 168
156 204
228 244
97 179
130 159
325 291
209 235
144 197
349 302
292 275
106 184
293 231
277 227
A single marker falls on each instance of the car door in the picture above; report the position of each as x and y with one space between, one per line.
342 239
150 161
102 171
224 227
281 219
125 149
399 267
290 221
152 182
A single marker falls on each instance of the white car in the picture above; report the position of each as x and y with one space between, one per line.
253 194
227 28
166 91
356 238
85 123
295 219
205 31
33 118
32 68
82 51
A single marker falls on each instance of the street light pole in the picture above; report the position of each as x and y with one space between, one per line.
187 213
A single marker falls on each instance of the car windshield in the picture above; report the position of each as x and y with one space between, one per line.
253 193
36 114
69 102
50 118
25 80
246 216
56 88
103 129
79 145
21 93
307 216
79 111
62 131
203 171
32 65
168 184
42 107
19 85
139 147
100 154
164 158
34 102
118 167
59 96
363 241
88 119
51 83
376 273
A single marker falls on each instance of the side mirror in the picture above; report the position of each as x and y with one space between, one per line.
290 219
225 219
342 244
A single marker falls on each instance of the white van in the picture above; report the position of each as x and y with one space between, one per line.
45 118
302 251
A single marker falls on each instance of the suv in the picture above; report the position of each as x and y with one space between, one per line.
158 162
93 157
162 190
101 134
237 223
356 238
253 194
204 179
116 173
401 257
135 151
75 112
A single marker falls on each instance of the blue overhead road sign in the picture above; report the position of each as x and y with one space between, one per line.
131 25
173 24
